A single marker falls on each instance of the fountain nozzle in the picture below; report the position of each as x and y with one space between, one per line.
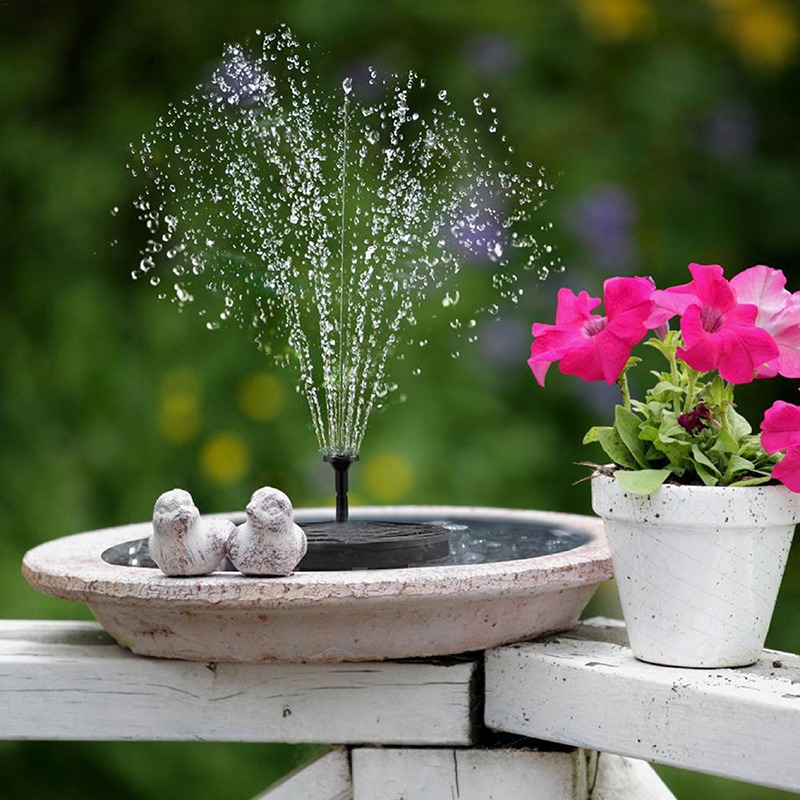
341 464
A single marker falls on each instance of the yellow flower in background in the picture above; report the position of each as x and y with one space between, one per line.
764 32
261 396
179 406
615 19
388 477
225 458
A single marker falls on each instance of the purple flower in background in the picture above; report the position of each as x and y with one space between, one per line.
477 232
603 221
240 79
492 54
730 131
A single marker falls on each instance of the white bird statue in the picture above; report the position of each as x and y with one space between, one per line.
182 542
268 542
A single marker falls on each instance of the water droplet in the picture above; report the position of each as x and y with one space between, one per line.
451 299
325 280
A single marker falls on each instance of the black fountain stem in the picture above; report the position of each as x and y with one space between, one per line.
341 464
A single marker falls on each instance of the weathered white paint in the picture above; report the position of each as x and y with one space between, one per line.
617 778
324 778
358 615
68 680
697 567
447 774
585 688
519 773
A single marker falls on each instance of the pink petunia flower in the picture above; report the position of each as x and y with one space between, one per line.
718 332
787 470
778 313
676 299
780 429
591 346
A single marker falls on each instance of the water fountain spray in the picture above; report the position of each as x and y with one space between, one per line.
323 219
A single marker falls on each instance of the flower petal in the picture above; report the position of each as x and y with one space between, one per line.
736 348
550 344
629 304
780 429
710 287
764 287
787 470
574 309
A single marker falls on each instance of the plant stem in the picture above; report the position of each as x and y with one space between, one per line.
690 388
669 354
726 404
623 385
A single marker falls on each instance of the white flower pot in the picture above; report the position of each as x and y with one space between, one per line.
698 568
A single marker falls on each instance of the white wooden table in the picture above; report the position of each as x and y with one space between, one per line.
581 712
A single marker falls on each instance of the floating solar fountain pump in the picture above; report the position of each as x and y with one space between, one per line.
346 543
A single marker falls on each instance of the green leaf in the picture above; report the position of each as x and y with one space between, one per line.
648 433
738 464
674 451
738 426
641 481
667 386
718 392
701 458
593 434
615 448
708 477
627 424
670 429
725 443
753 481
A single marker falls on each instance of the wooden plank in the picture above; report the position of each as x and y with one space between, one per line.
324 778
619 778
68 680
474 774
584 688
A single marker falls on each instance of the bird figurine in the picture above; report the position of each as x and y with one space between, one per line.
268 542
184 543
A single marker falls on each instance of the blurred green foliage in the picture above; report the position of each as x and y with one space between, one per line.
671 131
